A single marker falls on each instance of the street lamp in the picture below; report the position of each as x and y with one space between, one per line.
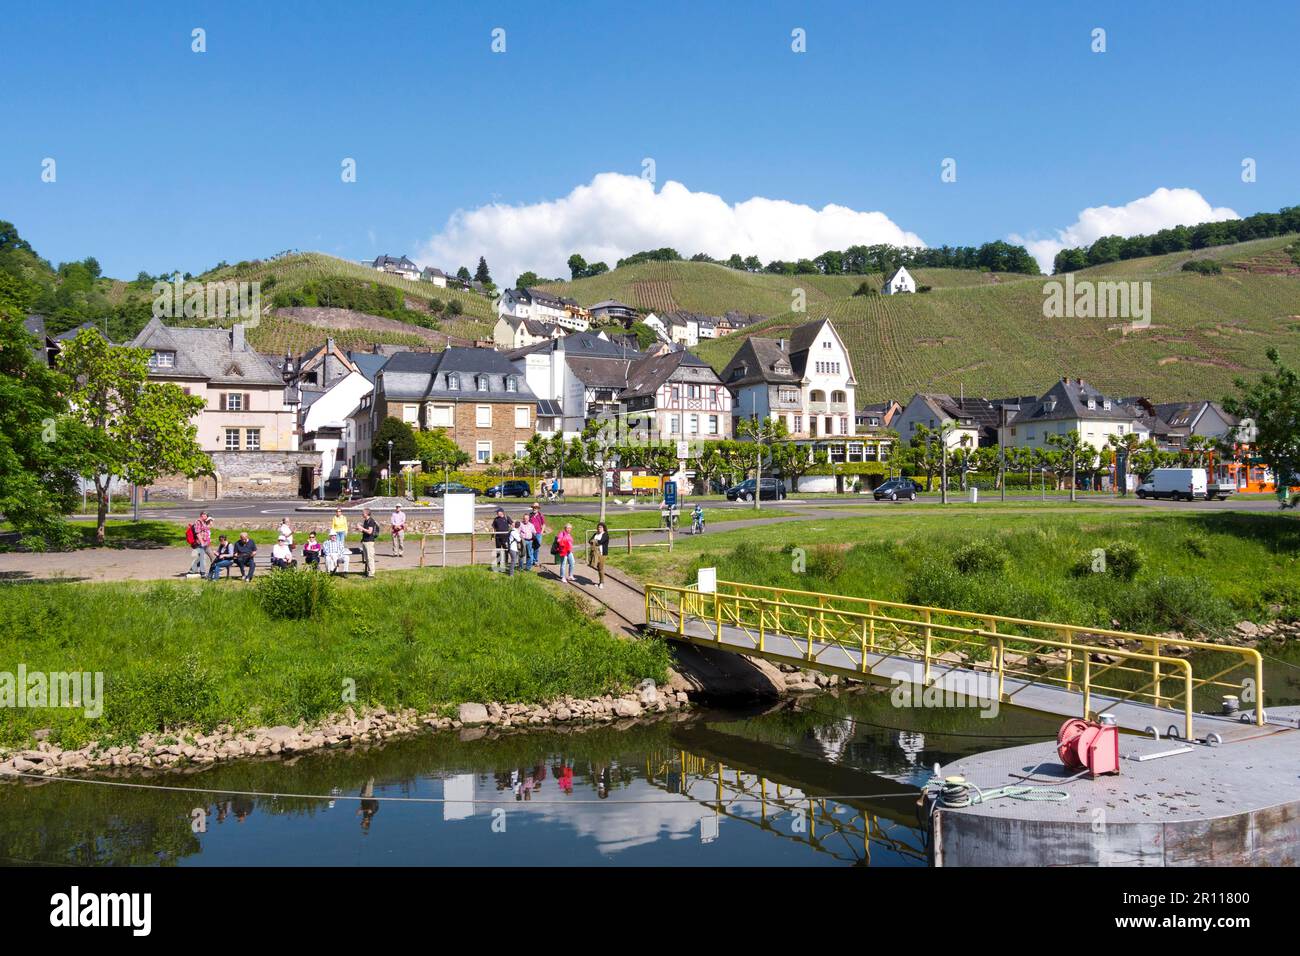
390 468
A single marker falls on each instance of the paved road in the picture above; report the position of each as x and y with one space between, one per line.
274 509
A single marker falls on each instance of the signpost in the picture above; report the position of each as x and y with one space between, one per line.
457 518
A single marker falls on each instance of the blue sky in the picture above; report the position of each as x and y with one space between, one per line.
168 158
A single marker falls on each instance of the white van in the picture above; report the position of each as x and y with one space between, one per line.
1186 483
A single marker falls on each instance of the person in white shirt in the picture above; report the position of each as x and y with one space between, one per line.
281 556
286 531
398 522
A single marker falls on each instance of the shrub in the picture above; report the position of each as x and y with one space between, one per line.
295 593
1173 603
979 557
827 561
1206 267
1121 560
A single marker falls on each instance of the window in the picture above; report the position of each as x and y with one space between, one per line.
826 344
411 414
483 452
253 439
482 381
453 382
162 360
677 395
234 401
440 416
521 449
692 391
522 418
232 439
483 416
695 424
674 425
798 423
713 424
512 384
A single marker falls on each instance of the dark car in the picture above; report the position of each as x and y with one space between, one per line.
510 489
896 488
772 490
450 488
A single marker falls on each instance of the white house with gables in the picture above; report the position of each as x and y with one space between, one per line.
900 281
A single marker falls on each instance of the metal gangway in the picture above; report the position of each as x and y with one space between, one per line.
1143 680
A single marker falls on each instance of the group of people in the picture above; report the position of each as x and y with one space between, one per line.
332 553
517 545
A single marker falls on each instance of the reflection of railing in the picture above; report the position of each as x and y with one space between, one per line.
727 788
1002 647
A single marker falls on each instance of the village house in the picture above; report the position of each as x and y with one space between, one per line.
476 395
900 281
676 396
972 421
582 373
878 414
611 310
1072 405
400 266
248 425
542 306
436 276
515 333
806 381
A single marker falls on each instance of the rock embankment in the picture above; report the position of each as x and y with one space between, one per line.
193 748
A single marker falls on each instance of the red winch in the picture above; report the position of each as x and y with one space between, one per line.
1089 745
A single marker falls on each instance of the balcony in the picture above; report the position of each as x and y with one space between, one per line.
828 408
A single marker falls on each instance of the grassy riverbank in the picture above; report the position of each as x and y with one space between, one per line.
1198 573
178 654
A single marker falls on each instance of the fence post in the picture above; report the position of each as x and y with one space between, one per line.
629 540
871 609
925 678
1087 684
471 547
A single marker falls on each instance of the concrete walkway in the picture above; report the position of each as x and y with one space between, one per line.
162 563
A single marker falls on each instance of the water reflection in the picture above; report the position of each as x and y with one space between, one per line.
831 780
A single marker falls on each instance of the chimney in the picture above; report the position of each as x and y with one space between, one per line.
237 337
780 343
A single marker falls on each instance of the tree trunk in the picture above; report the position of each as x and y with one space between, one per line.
101 506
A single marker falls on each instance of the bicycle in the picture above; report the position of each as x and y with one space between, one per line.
697 524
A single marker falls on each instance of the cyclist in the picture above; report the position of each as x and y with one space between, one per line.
697 520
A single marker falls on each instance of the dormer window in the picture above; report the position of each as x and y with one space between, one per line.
162 359
482 382
453 382
512 385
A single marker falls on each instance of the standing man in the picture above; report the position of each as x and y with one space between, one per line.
500 541
201 546
539 525
398 521
369 533
526 535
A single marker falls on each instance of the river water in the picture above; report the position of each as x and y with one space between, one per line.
827 780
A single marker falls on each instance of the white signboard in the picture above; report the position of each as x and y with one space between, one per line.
683 450
458 514
706 582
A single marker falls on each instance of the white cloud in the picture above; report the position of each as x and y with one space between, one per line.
617 214
1163 209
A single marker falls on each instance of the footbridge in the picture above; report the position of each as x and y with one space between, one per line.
1147 682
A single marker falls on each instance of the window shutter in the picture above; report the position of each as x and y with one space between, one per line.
247 402
223 401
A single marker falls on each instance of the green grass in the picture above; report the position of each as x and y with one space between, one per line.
1197 573
618 520
188 654
987 334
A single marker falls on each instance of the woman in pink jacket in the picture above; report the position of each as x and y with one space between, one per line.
564 551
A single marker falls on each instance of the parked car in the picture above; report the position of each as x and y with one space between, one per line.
896 488
450 488
510 489
772 490
1174 483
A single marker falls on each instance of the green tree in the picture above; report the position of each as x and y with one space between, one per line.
403 439
436 451
527 280
577 266
1272 406
38 481
761 433
1073 449
124 425
481 274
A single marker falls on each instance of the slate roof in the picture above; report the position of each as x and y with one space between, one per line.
598 372
647 374
402 263
757 361
368 363
1067 400
425 375
611 304
206 354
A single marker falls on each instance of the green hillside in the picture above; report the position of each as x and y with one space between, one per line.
986 334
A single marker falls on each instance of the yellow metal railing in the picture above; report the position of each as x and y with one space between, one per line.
1031 653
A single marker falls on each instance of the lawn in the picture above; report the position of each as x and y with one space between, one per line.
647 519
192 654
1197 573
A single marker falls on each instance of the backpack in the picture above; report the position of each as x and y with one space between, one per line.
191 538
555 547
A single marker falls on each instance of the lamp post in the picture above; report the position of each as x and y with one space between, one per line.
390 467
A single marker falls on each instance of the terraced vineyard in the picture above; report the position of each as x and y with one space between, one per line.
275 336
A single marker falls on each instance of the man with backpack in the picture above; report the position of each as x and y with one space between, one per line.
199 537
